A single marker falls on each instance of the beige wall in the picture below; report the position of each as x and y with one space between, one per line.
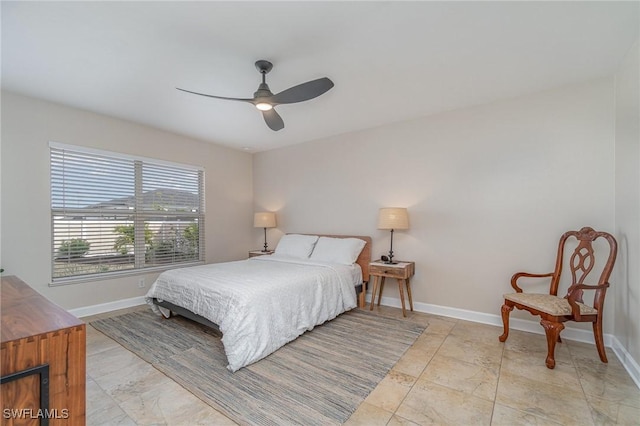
27 127
489 189
627 282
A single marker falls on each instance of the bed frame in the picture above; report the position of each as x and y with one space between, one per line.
361 290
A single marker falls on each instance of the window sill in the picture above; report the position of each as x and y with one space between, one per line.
118 274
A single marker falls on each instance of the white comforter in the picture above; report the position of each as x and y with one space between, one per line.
260 304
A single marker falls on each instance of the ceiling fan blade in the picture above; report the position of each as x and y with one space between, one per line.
273 120
216 97
303 92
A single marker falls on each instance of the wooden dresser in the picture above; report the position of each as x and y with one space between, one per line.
43 362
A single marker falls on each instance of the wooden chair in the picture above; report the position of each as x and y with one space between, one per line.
554 310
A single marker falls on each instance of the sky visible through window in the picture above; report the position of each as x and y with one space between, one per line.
91 183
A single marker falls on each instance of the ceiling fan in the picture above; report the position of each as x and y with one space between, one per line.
265 100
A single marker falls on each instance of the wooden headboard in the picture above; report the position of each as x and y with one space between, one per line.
365 255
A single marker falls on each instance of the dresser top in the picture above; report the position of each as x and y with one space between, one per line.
25 312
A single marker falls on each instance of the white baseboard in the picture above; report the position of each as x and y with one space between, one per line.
107 307
627 360
569 333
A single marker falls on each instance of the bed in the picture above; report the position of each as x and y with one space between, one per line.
264 302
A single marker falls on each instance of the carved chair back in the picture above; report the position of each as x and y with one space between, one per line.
582 262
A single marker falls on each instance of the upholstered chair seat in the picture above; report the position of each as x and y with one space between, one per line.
549 304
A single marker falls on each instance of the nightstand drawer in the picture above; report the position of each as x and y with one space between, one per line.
392 271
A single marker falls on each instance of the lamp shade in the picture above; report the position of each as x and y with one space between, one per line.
264 220
393 218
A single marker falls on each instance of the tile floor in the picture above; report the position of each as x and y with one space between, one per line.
457 372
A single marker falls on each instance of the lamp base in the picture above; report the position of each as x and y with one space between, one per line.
265 241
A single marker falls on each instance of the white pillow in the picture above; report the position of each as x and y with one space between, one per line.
296 245
338 250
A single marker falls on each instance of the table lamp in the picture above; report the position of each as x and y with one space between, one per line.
264 220
393 218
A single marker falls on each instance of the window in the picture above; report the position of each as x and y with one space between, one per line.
113 214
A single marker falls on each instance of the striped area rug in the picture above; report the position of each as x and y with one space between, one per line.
318 379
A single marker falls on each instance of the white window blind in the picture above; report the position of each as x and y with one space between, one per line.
112 213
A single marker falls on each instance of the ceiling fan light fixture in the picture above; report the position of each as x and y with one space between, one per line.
263 106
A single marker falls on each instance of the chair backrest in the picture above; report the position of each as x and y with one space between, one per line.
583 260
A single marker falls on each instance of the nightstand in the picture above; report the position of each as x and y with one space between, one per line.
402 271
254 253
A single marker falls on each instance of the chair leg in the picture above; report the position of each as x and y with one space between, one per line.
597 334
552 330
506 310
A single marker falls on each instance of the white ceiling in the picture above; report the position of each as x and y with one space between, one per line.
390 61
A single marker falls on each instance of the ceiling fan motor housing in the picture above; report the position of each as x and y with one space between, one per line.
263 91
